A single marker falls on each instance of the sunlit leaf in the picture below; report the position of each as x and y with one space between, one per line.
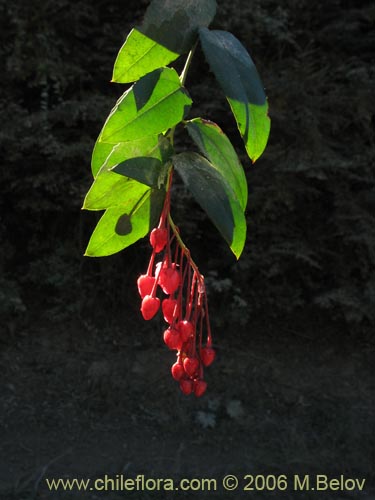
138 56
120 227
110 189
151 106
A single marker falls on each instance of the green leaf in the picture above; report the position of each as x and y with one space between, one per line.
119 227
175 23
148 167
151 106
217 148
143 169
215 196
138 56
111 155
99 155
110 190
170 29
239 79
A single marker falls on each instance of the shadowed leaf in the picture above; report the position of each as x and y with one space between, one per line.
112 154
169 29
124 225
215 196
239 79
175 23
217 148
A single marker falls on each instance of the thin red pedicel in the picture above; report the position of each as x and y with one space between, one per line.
185 308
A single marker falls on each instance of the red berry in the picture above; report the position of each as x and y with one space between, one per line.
186 329
186 386
177 370
145 285
150 306
191 366
158 239
200 387
207 355
169 279
172 338
170 309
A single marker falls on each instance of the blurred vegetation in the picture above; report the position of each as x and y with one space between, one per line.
311 238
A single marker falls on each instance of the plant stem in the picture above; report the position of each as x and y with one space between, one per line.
182 80
185 250
183 247
187 64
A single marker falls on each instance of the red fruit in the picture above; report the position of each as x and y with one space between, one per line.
186 386
158 239
186 329
207 355
177 370
191 366
150 306
170 309
200 387
172 338
145 285
169 279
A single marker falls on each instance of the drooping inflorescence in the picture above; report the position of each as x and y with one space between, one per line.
184 303
134 158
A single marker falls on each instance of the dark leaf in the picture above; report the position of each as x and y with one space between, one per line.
215 196
217 148
239 79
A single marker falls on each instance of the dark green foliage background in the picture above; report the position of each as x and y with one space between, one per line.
311 236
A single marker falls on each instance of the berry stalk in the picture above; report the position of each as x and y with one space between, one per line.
180 286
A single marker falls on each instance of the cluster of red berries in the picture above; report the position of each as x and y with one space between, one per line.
185 306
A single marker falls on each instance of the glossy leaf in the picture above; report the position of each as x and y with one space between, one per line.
151 106
239 79
120 227
138 56
215 196
217 148
111 154
175 23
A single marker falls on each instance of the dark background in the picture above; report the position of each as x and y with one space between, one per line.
85 384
